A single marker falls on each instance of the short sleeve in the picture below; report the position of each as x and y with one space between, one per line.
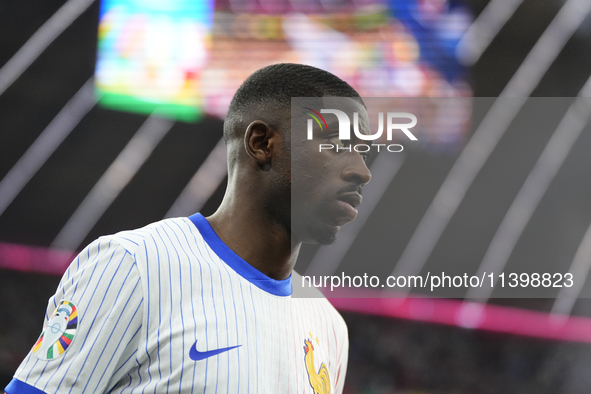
92 326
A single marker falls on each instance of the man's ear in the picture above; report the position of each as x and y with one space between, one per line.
259 142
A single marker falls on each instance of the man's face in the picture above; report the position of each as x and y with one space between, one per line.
326 184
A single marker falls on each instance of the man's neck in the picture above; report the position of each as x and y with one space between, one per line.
261 242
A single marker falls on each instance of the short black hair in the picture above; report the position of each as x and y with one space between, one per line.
272 87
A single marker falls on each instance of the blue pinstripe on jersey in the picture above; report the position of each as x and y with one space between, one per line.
227 330
236 319
204 318
148 319
191 291
140 375
129 384
171 307
215 315
214 310
159 308
256 338
247 337
180 300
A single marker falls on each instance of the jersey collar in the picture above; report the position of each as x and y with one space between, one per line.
247 271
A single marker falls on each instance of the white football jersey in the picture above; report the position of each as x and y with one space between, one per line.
170 308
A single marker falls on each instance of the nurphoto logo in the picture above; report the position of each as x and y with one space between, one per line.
393 123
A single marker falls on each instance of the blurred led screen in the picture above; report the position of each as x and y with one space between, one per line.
383 48
151 54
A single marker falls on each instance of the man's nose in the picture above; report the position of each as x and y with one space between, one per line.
356 171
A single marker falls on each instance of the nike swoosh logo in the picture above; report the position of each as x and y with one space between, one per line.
196 355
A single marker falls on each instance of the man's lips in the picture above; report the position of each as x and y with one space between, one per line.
348 203
352 198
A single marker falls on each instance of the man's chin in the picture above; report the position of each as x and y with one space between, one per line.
323 235
315 232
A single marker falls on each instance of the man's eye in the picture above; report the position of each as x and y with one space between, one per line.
337 141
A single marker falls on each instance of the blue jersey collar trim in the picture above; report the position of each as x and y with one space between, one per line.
247 271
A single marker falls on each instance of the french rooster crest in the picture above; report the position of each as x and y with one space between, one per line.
320 381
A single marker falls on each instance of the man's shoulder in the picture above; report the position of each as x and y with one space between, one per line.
166 231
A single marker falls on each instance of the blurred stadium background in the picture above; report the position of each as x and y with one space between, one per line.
111 118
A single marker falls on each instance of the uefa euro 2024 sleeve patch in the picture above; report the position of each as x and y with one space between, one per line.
59 332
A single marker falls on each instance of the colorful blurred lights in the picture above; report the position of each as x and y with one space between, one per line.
151 55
